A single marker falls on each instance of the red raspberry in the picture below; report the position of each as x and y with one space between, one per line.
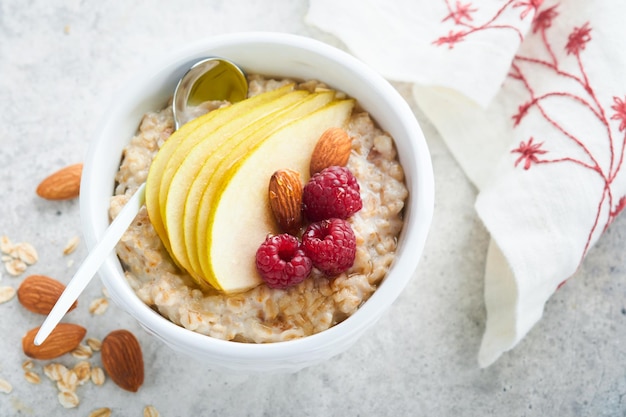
281 261
331 193
331 245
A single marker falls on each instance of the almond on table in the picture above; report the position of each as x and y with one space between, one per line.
63 339
123 360
63 184
39 293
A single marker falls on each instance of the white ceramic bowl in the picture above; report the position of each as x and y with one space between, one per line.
280 55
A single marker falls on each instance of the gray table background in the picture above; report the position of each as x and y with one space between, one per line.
61 61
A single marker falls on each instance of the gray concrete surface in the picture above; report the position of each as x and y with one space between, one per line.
60 63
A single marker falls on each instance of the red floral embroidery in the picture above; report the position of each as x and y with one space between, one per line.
578 39
621 204
543 20
450 40
620 112
461 15
522 110
529 5
529 152
607 172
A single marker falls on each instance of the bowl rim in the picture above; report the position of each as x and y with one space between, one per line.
422 211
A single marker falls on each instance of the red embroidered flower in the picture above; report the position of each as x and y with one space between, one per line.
528 152
463 11
578 39
450 40
620 112
522 110
543 20
621 204
530 5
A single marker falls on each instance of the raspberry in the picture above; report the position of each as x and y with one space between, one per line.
331 245
281 261
331 193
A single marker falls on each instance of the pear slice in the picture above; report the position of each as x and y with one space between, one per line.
252 110
240 219
212 146
189 131
219 164
214 164
155 173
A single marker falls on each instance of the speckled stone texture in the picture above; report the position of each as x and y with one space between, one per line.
60 63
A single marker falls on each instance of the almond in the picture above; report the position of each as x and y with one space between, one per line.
285 196
63 339
122 359
39 293
62 185
332 148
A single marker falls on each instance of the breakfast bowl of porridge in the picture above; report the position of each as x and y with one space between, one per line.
276 229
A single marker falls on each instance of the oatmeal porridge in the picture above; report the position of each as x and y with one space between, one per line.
263 314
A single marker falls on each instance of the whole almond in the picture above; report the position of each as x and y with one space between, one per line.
39 293
62 185
63 339
285 196
122 359
332 148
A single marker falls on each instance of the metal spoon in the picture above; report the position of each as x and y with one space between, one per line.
209 79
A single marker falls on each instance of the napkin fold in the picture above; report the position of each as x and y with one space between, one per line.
530 98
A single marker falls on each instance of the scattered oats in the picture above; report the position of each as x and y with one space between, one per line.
66 29
17 257
32 377
98 306
70 263
15 266
105 291
101 412
6 293
82 352
26 253
55 371
71 246
5 387
28 365
94 344
5 245
97 375
150 411
83 371
68 399
68 382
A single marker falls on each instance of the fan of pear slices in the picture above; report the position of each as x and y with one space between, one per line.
206 191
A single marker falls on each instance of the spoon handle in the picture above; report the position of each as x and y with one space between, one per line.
92 263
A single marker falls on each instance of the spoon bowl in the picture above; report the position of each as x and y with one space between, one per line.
211 78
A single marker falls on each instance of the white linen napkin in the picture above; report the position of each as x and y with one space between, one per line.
530 97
